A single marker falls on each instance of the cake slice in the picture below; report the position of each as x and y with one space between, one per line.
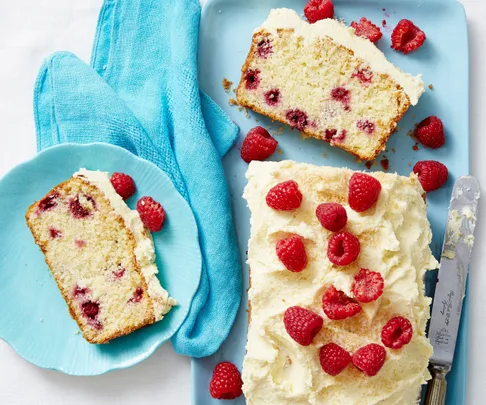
393 235
326 82
101 256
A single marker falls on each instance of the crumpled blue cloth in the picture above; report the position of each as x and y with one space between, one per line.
141 93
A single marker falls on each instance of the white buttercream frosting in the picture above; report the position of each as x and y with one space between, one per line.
394 238
364 49
144 249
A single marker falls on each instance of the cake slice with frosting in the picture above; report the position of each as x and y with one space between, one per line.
101 256
337 306
326 82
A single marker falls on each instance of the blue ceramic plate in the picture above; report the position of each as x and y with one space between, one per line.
34 318
225 37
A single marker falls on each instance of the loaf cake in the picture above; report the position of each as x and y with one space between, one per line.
326 82
101 256
394 237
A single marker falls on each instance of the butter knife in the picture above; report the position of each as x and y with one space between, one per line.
451 284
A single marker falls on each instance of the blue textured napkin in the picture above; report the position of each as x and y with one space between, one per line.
141 92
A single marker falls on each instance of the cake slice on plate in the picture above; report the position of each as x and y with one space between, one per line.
101 256
337 309
326 82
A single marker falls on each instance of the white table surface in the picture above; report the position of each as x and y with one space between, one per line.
29 31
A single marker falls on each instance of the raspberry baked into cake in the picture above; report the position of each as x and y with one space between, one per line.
326 82
337 310
101 256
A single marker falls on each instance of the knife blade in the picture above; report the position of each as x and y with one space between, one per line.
451 284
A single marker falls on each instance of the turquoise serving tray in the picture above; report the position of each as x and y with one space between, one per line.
34 318
225 36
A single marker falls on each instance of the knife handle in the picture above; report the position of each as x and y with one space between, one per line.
437 387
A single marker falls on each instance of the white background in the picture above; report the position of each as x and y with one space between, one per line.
32 29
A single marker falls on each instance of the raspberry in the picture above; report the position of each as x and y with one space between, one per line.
333 358
137 295
343 248
226 382
272 97
291 252
329 134
82 207
123 185
151 213
363 192
316 10
258 145
78 291
341 94
430 132
366 126
48 203
284 196
90 309
366 29
297 119
368 286
337 305
370 359
407 37
119 272
397 332
432 174
55 233
302 325
332 216
79 243
264 48
364 75
252 79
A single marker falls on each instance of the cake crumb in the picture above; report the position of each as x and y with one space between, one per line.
279 151
257 120
409 164
227 85
358 160
385 163
431 87
304 136
240 108
393 150
324 155
415 147
77 332
410 133
368 164
247 114
232 101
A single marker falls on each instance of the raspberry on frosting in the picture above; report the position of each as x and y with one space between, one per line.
337 305
366 29
302 325
343 248
123 185
333 358
370 359
368 286
363 191
151 213
284 196
291 252
332 216
316 10
397 332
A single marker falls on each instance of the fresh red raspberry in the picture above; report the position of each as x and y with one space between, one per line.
365 28
258 145
333 358
226 382
316 10
151 213
291 252
337 305
370 359
368 286
430 132
343 248
284 196
123 185
363 192
432 174
332 216
407 37
302 325
397 332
